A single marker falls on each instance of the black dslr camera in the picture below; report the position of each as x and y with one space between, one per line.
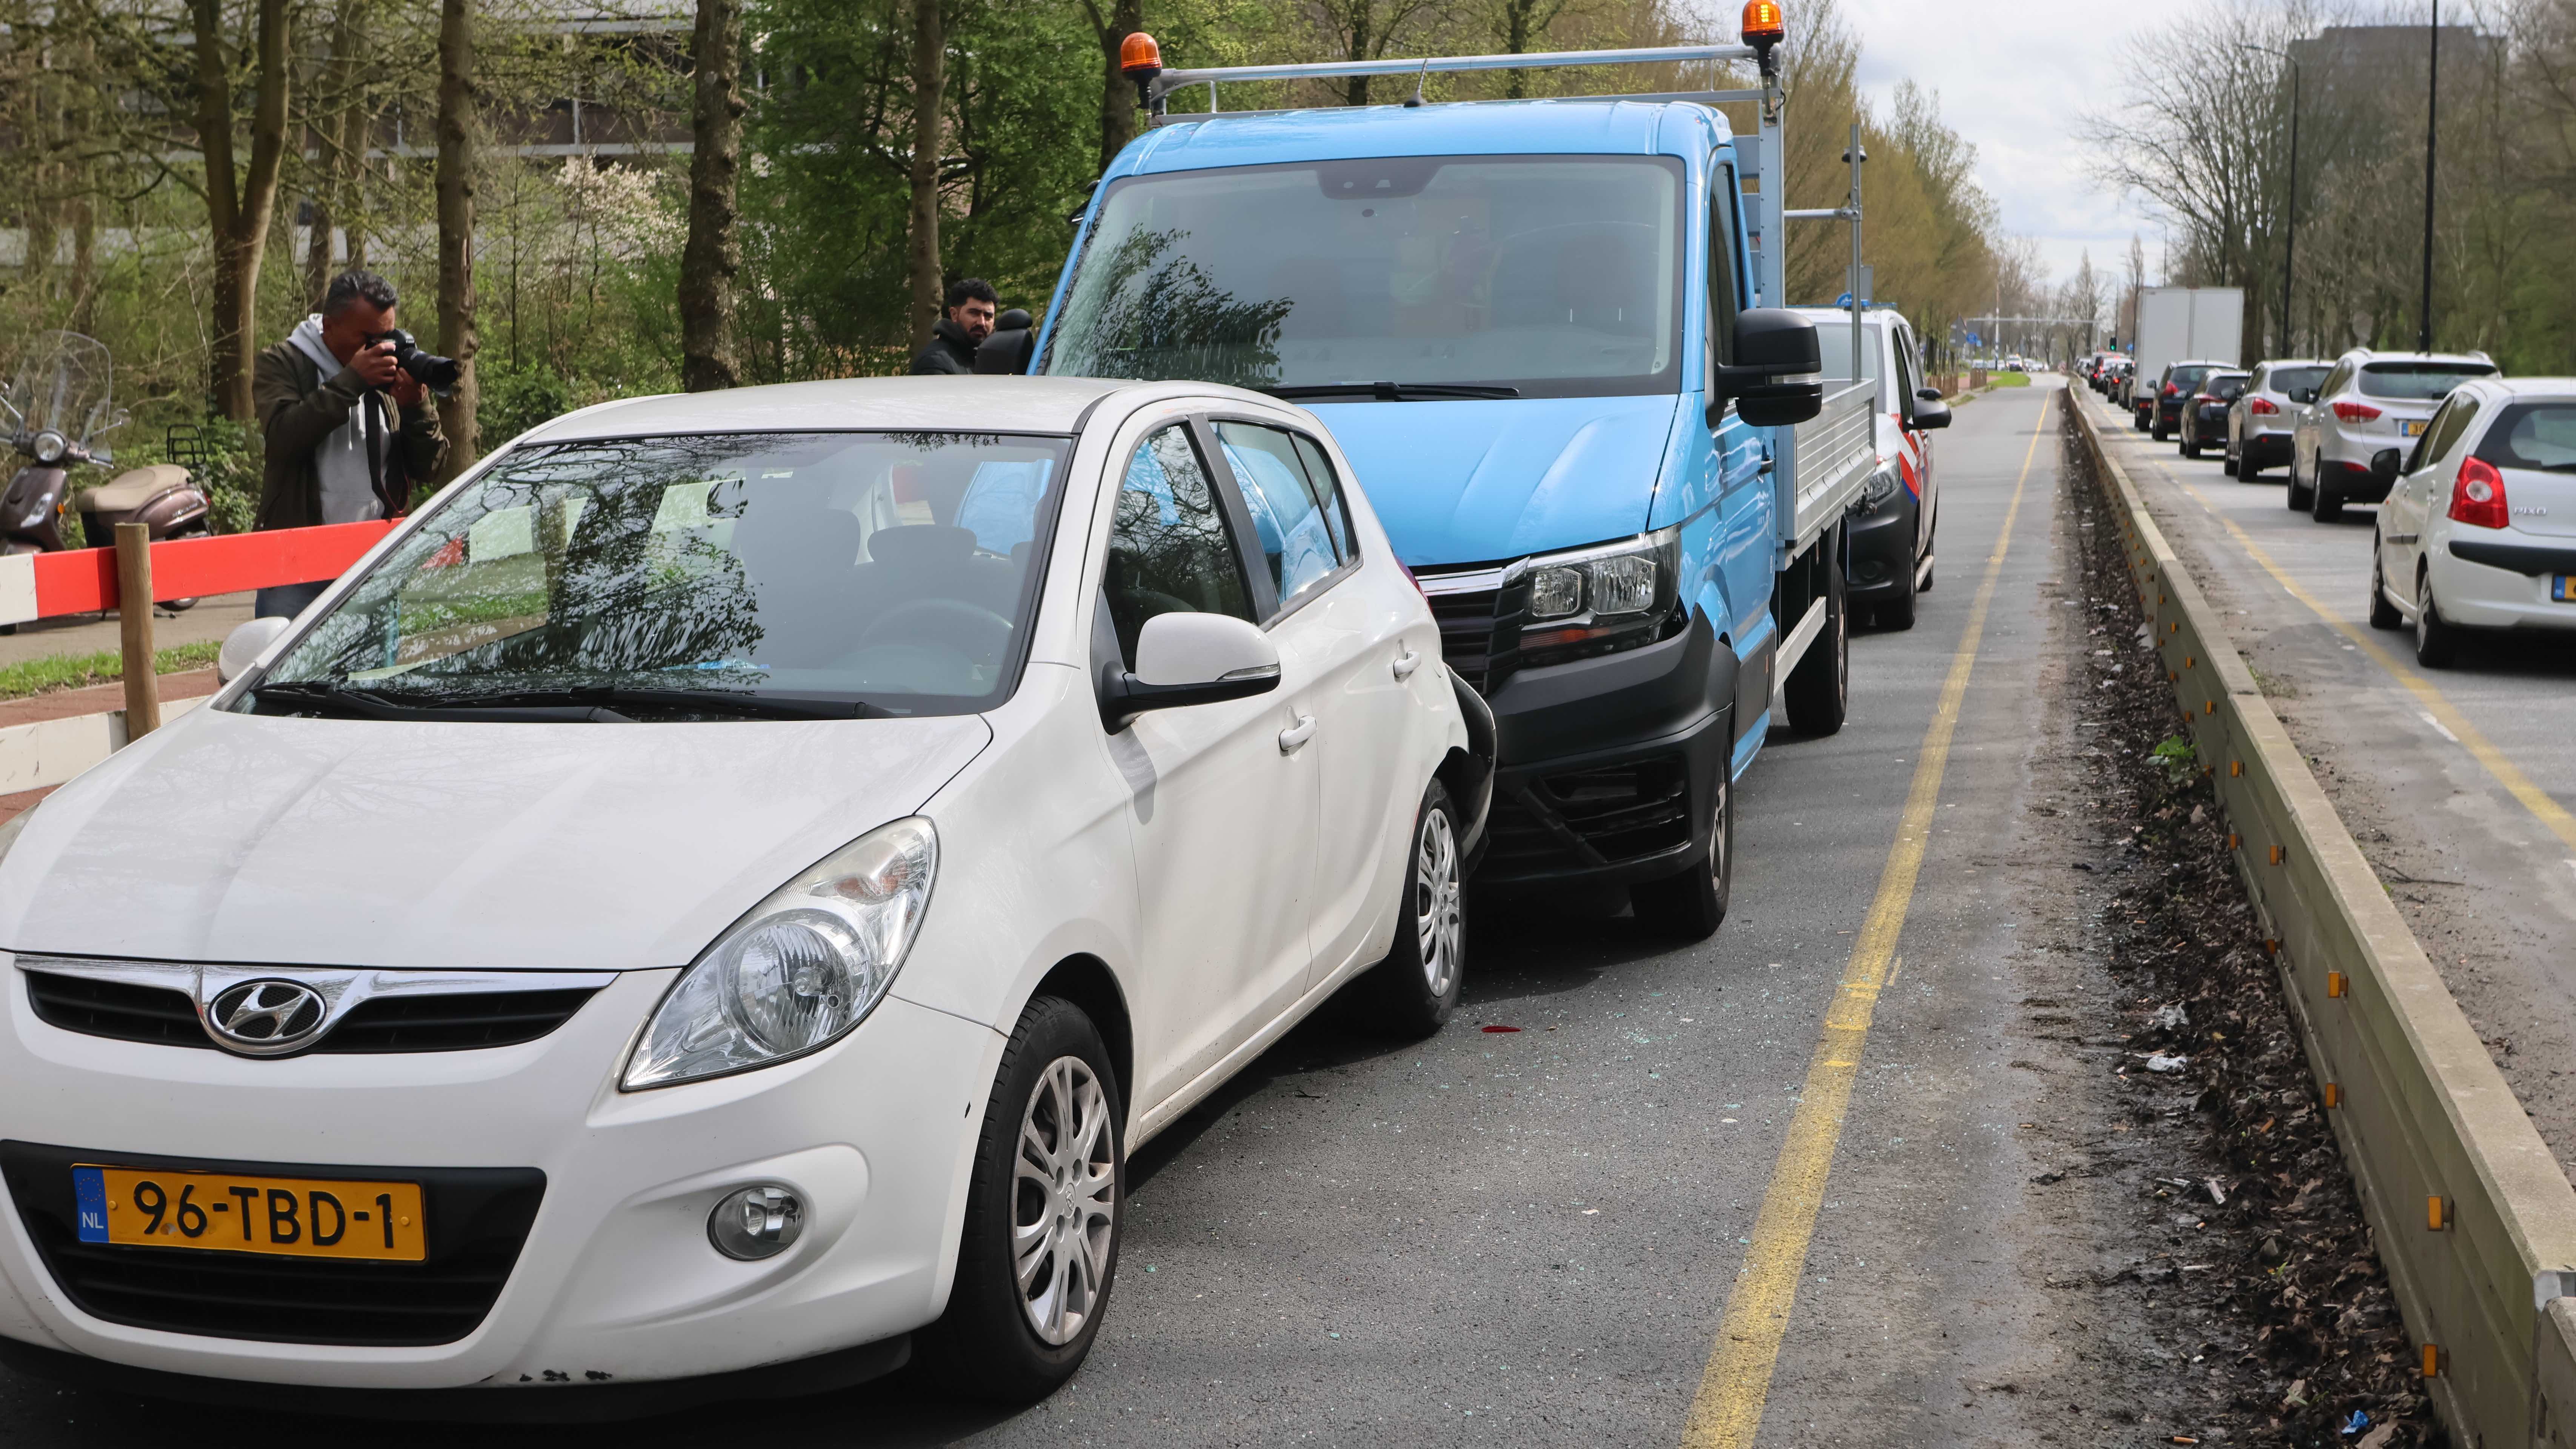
438 374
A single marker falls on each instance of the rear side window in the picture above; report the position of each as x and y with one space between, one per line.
2448 424
2540 436
2417 381
1293 513
1170 549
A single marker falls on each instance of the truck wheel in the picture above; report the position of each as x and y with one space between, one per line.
1411 993
1045 1204
1690 906
1820 687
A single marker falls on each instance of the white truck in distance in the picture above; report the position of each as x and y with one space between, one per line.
2181 324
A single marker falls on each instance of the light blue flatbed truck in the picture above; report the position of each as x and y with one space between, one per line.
1549 336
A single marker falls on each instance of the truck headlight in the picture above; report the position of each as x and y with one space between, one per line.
799 970
1591 601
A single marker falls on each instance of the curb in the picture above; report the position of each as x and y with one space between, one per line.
2472 1217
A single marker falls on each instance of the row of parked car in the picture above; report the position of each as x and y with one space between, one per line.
2474 474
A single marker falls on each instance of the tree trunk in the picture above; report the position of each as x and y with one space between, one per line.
712 260
929 80
339 162
238 218
1516 29
459 130
1356 88
1117 93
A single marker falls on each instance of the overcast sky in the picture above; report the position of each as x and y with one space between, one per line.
2013 76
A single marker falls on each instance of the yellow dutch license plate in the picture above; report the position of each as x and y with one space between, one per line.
288 1216
2562 588
2415 429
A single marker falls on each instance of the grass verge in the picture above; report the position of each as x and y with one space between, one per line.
72 671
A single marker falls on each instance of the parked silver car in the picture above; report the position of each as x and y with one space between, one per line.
2260 423
2371 403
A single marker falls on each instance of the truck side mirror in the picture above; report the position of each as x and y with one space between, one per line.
1011 346
1771 343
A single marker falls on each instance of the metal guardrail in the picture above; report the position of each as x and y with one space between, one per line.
2473 1219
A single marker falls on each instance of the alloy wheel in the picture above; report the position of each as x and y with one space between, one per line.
1439 924
1064 1200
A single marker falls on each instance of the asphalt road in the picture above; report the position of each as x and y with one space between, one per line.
1533 1236
2456 782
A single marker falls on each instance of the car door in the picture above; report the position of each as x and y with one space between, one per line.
1918 443
2423 492
1226 796
1354 676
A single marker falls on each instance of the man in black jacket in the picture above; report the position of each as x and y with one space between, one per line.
972 305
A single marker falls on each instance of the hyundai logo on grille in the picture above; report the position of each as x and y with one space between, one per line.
263 1018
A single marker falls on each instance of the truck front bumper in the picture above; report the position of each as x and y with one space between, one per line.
1609 767
1882 558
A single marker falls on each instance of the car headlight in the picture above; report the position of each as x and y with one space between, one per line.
799 970
1880 488
1591 601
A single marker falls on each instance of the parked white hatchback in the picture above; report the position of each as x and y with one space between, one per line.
2479 530
724 888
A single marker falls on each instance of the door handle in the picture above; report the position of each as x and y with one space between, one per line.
1407 662
1296 735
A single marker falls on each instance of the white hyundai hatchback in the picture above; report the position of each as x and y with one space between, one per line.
2479 530
721 890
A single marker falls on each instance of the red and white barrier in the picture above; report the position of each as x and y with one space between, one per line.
83 581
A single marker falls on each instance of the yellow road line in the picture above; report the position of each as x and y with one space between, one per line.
2446 716
1728 1411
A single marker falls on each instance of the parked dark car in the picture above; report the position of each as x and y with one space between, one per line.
2204 416
2180 381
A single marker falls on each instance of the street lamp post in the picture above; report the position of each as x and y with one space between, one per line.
2290 208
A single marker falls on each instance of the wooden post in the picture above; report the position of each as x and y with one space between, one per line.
134 629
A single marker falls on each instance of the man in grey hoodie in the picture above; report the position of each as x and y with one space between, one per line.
348 432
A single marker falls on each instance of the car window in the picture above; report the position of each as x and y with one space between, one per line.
1721 266
2291 379
894 569
1291 516
2336 381
2418 381
1908 373
2447 426
2537 435
1171 550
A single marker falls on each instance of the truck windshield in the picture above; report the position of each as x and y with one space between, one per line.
1555 276
892 570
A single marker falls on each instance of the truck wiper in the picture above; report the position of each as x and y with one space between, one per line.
356 703
1393 391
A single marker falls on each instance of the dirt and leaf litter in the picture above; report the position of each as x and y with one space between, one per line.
2252 1230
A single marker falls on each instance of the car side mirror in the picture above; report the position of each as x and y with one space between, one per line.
1771 343
243 646
1928 411
2384 465
1189 659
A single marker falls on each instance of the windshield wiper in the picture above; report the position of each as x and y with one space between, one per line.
713 701
1393 391
360 703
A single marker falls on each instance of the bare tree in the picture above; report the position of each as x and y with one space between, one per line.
459 159
1368 30
238 209
929 83
1117 94
711 262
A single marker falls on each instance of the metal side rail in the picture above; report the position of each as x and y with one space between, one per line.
2472 1217
1824 463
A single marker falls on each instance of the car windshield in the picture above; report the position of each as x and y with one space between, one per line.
2294 379
2539 436
2418 381
1550 275
892 570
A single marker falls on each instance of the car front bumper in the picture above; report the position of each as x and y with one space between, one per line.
614 1282
1882 558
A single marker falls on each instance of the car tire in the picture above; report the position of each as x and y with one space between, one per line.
1818 691
2297 496
2324 505
2227 463
2437 640
2383 614
1690 906
1411 993
1897 614
988 1344
2247 470
2159 432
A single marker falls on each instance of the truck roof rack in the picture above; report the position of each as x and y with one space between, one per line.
1163 83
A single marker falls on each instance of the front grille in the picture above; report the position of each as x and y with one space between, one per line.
1466 633
119 1009
1590 818
477 1219
96 1006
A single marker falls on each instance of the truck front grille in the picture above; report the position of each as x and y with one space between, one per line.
1466 633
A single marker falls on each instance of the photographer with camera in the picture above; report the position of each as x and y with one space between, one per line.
344 408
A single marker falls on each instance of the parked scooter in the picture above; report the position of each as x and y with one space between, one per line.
59 407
